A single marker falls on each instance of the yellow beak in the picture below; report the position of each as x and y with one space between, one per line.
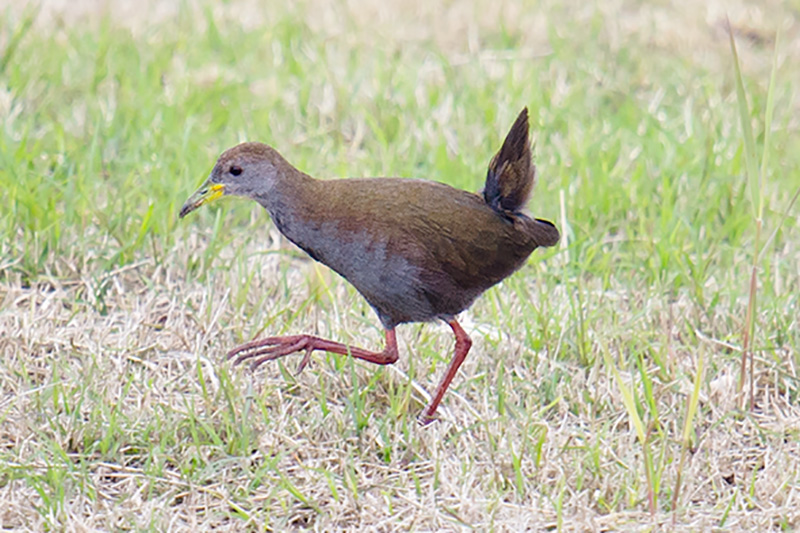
205 194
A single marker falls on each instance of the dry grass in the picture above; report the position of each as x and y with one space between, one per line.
117 411
73 374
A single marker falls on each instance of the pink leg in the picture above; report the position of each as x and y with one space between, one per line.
463 344
276 347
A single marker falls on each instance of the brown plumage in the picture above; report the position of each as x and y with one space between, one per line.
511 174
416 250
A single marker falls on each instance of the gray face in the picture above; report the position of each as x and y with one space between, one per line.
246 170
249 169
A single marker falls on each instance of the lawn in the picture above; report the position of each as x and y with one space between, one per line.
602 389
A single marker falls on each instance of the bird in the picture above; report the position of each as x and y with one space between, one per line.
416 250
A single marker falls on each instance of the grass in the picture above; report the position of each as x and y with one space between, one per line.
601 391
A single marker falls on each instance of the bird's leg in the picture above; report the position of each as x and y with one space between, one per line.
463 344
264 350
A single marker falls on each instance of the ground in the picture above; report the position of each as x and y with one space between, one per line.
601 392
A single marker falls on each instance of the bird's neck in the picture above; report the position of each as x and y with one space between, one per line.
291 201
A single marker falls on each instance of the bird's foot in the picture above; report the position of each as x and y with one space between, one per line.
263 350
424 418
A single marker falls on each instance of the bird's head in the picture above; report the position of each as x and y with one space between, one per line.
248 169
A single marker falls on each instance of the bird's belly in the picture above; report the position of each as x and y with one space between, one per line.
389 282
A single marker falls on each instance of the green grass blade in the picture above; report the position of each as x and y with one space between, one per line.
28 17
694 399
768 120
747 131
765 156
780 223
627 398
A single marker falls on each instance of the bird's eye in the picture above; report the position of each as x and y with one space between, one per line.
235 170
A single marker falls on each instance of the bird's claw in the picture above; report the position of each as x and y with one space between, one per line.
304 362
424 419
267 350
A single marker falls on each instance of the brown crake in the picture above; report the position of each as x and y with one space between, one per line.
417 250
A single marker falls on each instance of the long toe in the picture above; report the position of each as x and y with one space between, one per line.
272 353
305 361
277 346
241 352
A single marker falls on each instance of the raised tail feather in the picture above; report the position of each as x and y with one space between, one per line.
511 172
510 180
